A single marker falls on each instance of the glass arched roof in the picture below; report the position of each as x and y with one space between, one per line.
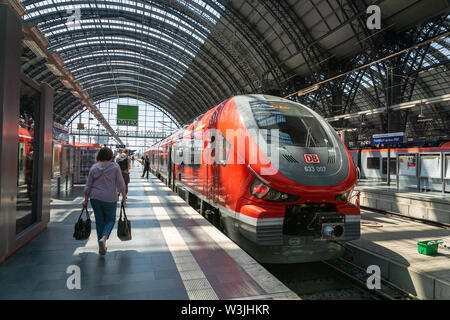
113 46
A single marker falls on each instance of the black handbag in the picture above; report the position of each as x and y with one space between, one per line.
123 226
82 228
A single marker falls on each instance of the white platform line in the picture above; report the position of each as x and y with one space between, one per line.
194 280
258 273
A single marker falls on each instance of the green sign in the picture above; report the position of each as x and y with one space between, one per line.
127 115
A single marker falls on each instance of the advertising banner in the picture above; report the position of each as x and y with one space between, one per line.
127 115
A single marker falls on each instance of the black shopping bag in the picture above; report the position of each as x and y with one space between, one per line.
123 226
82 228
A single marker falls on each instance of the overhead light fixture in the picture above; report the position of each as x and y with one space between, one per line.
16 5
424 119
85 96
421 116
78 86
76 94
35 48
59 61
67 84
69 75
308 90
54 69
40 36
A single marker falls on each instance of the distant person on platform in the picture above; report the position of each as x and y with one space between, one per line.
132 160
146 166
104 183
123 160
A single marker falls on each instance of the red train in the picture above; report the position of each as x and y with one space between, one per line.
271 173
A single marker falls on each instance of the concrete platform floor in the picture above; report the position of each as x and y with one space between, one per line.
174 254
391 243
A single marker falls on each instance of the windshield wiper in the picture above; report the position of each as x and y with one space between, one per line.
308 137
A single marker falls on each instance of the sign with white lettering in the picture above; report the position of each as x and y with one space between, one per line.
386 138
127 115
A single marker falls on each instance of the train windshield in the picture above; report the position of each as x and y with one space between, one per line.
297 126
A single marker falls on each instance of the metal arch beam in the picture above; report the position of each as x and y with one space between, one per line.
151 93
154 89
224 70
255 39
203 76
114 28
294 28
187 91
218 46
244 30
146 94
220 76
143 99
92 86
40 18
223 45
53 22
194 88
203 80
194 20
162 69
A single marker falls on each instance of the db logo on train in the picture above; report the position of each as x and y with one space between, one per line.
311 158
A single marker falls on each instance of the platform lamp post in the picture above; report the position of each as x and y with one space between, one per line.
389 96
98 132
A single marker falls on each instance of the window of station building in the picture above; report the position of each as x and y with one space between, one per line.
27 174
392 166
56 160
154 124
373 163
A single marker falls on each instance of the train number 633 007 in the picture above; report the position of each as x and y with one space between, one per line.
315 169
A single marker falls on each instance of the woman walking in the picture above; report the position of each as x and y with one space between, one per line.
103 185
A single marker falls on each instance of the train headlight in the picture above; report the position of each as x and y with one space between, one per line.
259 189
262 191
345 196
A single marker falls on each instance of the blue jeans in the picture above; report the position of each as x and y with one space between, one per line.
105 217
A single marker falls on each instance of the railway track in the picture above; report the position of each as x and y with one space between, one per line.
336 279
332 280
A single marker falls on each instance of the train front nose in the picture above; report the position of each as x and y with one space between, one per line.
317 167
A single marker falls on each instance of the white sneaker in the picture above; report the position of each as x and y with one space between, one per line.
102 247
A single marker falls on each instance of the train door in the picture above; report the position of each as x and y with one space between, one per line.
170 169
208 188
211 169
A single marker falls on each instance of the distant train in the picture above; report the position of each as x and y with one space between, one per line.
373 162
270 173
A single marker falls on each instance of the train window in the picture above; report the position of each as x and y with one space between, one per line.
373 163
225 147
197 153
392 166
297 126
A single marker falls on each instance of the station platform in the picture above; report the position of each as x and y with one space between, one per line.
175 254
391 243
429 206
